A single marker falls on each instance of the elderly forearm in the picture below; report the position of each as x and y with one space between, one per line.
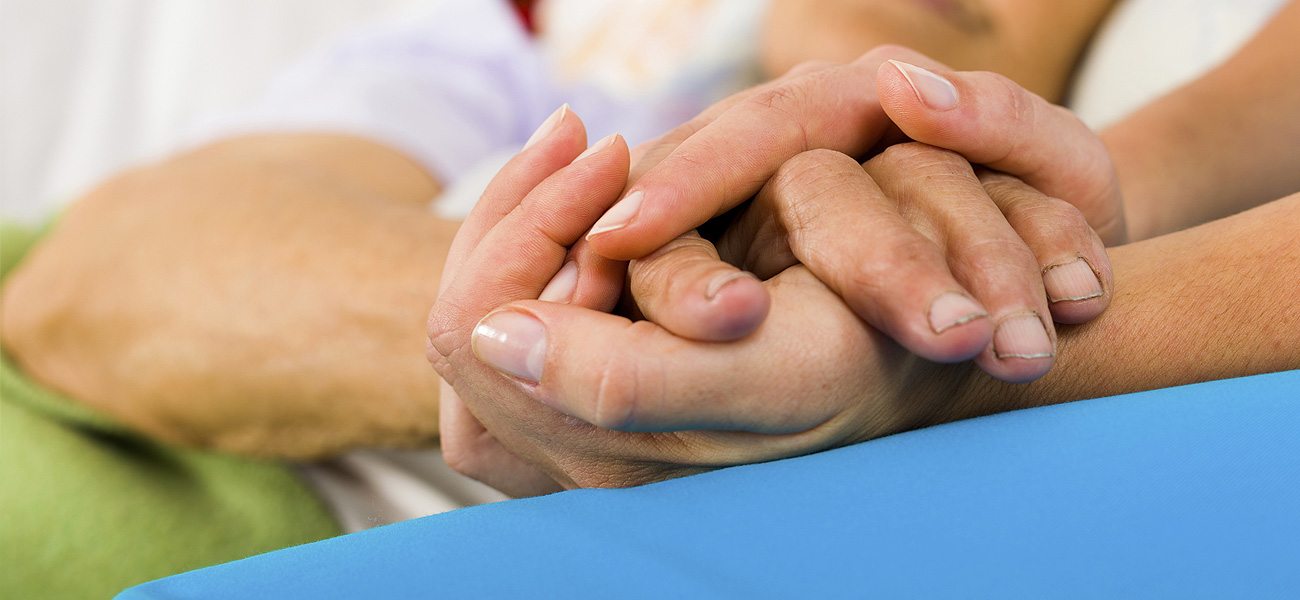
264 295
1035 43
1212 302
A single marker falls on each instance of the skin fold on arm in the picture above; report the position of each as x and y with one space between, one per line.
262 295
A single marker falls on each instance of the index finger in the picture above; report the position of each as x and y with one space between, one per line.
727 160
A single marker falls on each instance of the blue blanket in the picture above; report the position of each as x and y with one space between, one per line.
1177 493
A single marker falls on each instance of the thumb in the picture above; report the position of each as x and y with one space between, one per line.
993 121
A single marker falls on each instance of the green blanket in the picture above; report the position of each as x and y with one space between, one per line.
88 508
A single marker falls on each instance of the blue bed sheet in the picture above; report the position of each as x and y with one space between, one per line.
1177 493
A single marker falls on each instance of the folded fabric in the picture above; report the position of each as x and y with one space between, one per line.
1176 493
88 507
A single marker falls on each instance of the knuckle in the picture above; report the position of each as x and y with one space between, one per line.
1029 210
458 458
906 171
904 255
1001 257
659 275
809 66
1062 221
447 328
788 101
1013 95
614 398
812 168
1008 192
1022 115
439 362
802 186
461 454
918 157
1062 212
628 389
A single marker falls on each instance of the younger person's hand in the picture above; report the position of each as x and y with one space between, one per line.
555 394
710 165
920 252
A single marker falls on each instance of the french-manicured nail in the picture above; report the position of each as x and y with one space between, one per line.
1022 337
953 309
562 286
547 126
1071 281
511 342
721 281
604 142
933 91
618 215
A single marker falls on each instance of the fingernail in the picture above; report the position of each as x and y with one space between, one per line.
511 342
933 91
618 215
1071 281
953 309
597 147
562 286
721 281
547 126
1022 337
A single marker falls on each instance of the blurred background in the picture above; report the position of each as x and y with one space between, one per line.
90 86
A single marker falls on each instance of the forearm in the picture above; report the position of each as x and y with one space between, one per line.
265 295
1212 302
1035 43
1219 145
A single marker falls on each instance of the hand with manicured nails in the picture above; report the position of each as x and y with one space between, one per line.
649 404
729 153
951 263
810 376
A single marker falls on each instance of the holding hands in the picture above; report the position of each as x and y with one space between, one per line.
868 278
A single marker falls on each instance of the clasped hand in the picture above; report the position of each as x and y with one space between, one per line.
869 291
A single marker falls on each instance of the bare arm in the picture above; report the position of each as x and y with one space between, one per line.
1211 302
1035 43
1205 303
262 295
1219 145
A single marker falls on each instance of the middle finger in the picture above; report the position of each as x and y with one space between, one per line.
938 192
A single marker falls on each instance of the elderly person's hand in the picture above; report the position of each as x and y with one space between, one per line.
515 365
726 155
812 376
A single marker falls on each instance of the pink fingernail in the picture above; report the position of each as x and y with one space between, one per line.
562 286
547 126
511 342
1022 337
931 89
604 142
618 215
1071 281
953 309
